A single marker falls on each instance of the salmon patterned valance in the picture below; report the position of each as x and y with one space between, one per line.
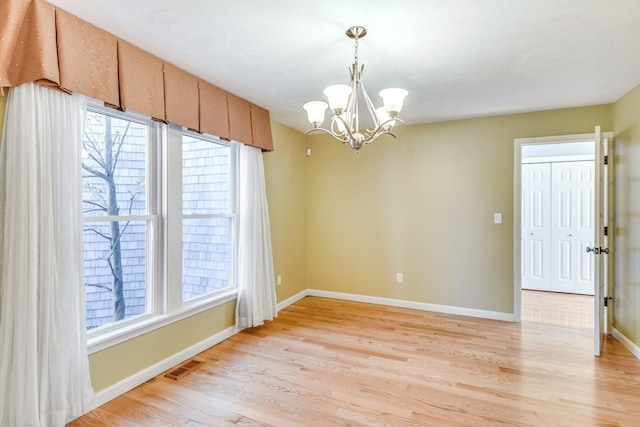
87 59
214 113
45 44
141 81
181 97
28 48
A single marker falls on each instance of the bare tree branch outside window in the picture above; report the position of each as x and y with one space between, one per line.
102 150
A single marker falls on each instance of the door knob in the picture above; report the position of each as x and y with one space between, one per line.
598 250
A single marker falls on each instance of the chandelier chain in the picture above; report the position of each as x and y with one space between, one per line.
356 54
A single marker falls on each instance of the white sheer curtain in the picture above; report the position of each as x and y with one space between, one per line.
256 286
43 351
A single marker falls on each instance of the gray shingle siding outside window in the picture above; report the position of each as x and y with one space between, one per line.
99 300
130 178
205 190
205 240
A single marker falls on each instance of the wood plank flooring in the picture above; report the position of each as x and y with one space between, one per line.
554 308
326 362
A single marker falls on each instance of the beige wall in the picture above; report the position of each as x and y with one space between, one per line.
423 205
286 180
626 252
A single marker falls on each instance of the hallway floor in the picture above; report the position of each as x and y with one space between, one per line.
554 308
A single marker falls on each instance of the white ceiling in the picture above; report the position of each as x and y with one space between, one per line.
457 58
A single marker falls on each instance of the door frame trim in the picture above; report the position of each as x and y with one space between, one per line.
518 143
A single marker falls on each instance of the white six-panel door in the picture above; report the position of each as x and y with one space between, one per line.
572 186
536 226
557 226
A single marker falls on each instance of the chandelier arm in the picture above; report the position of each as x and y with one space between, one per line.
335 130
352 108
378 132
383 125
370 107
343 140
348 135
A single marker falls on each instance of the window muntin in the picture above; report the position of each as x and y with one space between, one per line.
208 220
118 227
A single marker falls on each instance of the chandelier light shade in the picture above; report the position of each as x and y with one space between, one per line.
343 104
315 111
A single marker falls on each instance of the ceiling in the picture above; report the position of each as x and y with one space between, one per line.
458 58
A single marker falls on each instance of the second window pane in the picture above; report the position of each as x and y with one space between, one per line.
205 176
205 256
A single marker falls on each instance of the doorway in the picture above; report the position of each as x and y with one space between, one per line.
556 195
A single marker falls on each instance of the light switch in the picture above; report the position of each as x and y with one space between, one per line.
497 218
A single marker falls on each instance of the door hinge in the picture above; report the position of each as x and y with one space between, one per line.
606 160
606 301
606 230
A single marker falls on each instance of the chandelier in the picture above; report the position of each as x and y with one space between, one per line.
343 102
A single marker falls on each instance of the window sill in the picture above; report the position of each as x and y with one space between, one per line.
145 324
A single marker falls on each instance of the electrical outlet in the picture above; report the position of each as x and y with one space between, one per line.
399 278
279 279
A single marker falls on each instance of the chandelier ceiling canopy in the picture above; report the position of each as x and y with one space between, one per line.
343 103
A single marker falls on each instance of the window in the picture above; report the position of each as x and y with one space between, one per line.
151 191
118 220
207 216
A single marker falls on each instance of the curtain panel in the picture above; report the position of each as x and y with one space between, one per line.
256 285
45 44
43 346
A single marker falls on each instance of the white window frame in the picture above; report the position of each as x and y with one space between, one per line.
164 248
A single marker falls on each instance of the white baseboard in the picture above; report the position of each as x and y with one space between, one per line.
462 311
626 342
123 386
297 297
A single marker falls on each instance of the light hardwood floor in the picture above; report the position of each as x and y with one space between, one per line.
326 362
554 308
